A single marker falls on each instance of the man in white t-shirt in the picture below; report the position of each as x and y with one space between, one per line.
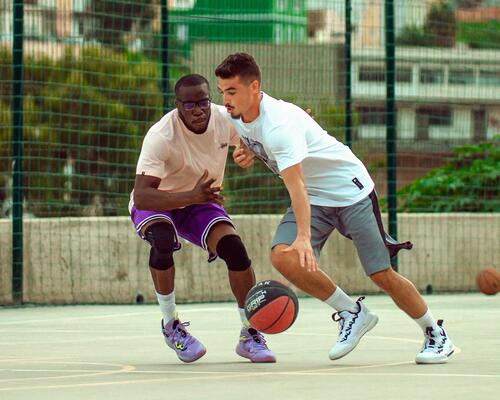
329 188
177 193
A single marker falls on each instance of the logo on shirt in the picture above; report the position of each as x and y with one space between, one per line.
223 145
358 183
258 149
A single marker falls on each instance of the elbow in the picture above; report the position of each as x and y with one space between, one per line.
139 200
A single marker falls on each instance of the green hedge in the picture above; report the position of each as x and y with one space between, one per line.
470 181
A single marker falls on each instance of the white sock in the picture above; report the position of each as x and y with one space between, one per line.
341 301
243 317
427 320
167 306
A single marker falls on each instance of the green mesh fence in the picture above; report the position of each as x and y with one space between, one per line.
96 74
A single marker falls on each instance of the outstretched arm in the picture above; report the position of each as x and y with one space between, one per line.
294 182
147 196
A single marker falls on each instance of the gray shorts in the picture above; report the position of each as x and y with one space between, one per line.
360 222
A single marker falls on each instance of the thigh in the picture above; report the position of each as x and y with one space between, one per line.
321 228
359 222
142 219
195 222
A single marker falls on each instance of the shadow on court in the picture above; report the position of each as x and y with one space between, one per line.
98 352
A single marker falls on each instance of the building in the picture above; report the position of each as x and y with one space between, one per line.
442 94
268 21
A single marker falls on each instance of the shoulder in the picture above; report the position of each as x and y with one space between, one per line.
278 113
165 127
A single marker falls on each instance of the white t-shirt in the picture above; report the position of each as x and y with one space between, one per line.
284 135
171 152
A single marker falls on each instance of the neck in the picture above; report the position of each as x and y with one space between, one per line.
253 113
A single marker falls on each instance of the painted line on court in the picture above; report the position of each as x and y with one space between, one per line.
105 316
267 374
122 369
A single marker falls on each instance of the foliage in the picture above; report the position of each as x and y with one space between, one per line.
438 31
480 35
116 18
470 181
84 118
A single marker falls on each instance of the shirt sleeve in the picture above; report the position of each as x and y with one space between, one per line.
153 155
288 146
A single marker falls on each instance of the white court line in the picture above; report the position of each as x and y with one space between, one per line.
123 368
267 374
115 315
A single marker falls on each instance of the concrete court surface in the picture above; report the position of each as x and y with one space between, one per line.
117 352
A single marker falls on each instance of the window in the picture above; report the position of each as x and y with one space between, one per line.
403 75
461 77
432 76
371 74
182 33
372 115
437 116
489 78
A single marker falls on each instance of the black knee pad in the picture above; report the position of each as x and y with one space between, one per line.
232 250
163 239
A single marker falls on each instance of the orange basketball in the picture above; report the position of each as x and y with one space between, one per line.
488 281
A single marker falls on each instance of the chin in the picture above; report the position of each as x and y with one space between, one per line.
235 116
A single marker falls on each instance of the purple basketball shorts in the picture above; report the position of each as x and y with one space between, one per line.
191 223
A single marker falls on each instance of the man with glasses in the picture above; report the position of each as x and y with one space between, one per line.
177 193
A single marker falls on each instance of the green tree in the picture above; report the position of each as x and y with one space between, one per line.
438 31
470 181
114 18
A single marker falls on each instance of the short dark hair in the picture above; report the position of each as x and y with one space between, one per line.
239 64
190 80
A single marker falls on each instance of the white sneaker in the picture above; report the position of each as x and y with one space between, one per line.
352 327
437 346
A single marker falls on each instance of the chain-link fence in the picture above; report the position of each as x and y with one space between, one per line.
81 81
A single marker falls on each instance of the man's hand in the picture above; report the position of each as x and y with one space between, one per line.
203 192
242 156
304 249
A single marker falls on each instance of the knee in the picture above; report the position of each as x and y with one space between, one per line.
385 279
232 250
279 259
163 241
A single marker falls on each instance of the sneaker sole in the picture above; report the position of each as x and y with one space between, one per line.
187 360
442 360
245 354
193 359
366 329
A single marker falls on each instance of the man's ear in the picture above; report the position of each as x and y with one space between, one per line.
255 86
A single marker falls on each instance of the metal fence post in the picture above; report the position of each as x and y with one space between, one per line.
17 152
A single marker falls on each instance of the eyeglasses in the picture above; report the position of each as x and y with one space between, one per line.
190 105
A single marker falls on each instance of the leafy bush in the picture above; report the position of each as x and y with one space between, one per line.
470 181
480 35
85 115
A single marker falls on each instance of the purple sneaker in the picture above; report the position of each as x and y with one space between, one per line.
187 348
252 345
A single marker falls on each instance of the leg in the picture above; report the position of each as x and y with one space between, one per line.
354 318
362 223
317 284
162 237
241 277
223 240
402 291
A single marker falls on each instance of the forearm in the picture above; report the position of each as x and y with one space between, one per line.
302 210
159 200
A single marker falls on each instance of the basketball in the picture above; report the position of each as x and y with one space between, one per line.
271 307
488 281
